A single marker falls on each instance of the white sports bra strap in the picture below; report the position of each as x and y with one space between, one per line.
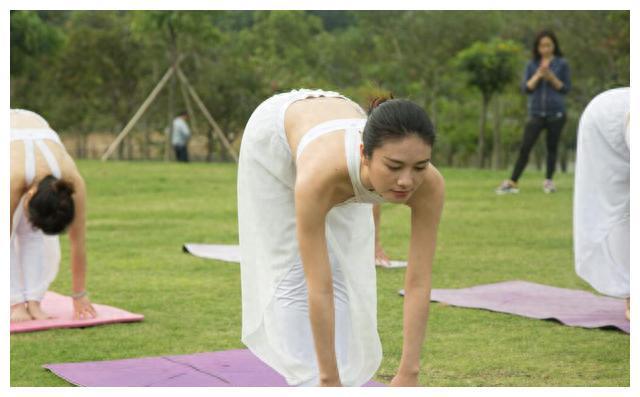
48 156
29 162
325 128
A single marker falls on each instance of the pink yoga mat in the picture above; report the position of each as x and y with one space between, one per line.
571 307
231 253
231 368
61 308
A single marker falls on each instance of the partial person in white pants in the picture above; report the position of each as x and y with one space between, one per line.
311 166
47 197
602 193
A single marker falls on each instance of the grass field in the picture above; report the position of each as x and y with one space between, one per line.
140 214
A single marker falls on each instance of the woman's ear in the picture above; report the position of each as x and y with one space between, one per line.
363 157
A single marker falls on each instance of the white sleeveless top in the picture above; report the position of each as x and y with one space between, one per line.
33 138
353 129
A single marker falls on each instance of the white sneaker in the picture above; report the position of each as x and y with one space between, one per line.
548 186
507 188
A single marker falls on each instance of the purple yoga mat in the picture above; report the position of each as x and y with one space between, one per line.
570 307
231 368
231 253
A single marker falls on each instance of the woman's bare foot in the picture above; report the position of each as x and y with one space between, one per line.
36 311
19 313
627 312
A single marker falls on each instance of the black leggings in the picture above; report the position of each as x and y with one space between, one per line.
533 128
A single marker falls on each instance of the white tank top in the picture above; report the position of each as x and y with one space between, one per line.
352 139
33 138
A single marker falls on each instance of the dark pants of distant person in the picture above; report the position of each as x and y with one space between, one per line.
532 130
181 153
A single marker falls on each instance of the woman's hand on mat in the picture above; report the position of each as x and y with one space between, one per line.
405 380
330 383
82 309
381 257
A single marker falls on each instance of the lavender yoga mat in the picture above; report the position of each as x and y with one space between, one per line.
61 308
231 368
231 253
226 253
570 307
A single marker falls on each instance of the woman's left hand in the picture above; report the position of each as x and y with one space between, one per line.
548 74
404 380
82 309
381 257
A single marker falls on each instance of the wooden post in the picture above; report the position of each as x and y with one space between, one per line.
206 113
187 102
138 114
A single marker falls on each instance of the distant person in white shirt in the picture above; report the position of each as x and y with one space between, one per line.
180 135
601 202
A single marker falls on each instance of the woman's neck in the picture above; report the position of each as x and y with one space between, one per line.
364 176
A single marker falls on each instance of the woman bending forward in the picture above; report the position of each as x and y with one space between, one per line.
311 166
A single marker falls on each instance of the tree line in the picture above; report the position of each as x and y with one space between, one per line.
89 71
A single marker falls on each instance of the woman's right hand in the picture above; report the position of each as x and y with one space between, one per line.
334 382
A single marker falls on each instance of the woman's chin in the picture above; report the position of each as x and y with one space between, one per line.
395 197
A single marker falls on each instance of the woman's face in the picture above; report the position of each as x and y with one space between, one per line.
546 47
398 167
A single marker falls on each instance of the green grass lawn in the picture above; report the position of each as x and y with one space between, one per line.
140 214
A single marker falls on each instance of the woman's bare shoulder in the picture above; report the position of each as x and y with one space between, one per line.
322 170
431 192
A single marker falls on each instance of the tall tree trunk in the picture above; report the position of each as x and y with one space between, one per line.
146 141
170 115
497 145
483 122
173 57
121 149
210 145
450 154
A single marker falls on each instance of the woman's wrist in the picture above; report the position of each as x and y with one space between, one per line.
409 370
79 295
330 379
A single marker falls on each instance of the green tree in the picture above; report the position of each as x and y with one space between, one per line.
35 46
490 67
99 71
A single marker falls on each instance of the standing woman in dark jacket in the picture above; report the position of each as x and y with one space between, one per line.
546 81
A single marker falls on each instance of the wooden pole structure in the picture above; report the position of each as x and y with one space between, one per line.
140 112
206 113
187 102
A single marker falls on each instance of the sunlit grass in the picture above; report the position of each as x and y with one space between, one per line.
140 214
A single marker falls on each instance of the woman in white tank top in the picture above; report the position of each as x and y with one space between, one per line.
311 164
47 197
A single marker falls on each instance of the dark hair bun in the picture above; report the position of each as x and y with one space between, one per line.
62 187
377 101
51 208
393 119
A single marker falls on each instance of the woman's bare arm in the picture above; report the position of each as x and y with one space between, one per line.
77 231
77 238
426 208
16 192
315 195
